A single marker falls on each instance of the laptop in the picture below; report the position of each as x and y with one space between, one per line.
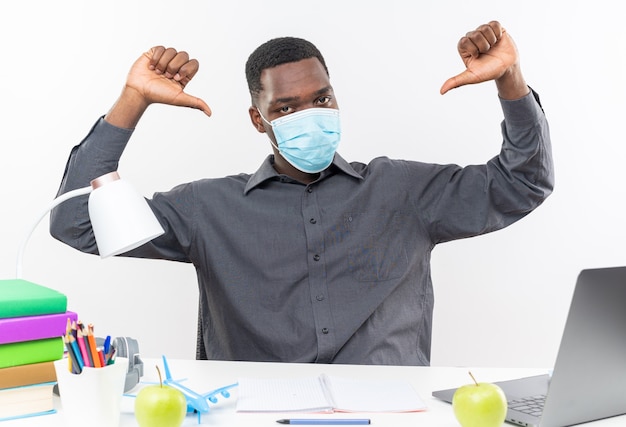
589 377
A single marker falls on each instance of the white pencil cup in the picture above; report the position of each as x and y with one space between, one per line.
93 397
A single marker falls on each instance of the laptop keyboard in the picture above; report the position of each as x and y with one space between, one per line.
532 405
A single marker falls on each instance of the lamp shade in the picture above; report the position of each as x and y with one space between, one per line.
121 218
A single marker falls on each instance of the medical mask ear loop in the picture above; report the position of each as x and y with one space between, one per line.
270 124
263 117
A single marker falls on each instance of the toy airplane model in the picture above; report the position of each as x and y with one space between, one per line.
196 402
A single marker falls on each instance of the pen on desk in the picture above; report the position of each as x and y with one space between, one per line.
325 421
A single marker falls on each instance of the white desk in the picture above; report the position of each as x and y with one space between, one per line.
204 376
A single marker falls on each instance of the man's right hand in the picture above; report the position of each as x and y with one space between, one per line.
158 76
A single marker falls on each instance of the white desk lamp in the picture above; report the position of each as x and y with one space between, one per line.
121 219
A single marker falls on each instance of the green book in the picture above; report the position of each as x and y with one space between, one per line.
25 352
23 298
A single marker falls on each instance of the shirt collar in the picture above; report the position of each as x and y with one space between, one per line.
267 171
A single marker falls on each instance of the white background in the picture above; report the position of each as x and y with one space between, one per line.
501 299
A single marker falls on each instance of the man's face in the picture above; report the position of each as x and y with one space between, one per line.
292 87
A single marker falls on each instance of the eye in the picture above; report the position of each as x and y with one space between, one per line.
285 109
322 100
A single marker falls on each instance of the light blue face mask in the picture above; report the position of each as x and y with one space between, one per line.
308 139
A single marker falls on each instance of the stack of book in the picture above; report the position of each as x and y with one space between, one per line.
33 320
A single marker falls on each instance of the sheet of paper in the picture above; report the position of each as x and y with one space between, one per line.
282 395
362 395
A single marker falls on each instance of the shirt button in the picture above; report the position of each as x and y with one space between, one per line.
309 189
316 257
320 297
313 221
325 331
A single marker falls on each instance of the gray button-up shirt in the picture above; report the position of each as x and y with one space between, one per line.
334 271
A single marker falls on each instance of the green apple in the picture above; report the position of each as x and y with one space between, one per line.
479 405
160 406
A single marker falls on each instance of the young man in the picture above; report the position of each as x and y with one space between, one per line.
312 258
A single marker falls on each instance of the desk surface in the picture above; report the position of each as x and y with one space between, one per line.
204 376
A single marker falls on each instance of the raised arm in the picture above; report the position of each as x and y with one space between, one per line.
159 75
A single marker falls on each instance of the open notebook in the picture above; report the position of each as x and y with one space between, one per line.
326 394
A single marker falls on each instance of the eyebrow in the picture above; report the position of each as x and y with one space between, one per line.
289 99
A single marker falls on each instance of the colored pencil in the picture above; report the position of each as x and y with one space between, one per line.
76 351
83 349
74 366
93 349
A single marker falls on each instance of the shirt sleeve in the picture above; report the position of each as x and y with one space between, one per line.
96 155
467 201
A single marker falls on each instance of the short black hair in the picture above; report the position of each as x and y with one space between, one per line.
275 52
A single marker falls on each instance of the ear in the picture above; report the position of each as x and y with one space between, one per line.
256 119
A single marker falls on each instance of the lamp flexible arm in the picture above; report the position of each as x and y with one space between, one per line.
62 198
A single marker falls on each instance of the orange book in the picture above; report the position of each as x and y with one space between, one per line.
34 373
